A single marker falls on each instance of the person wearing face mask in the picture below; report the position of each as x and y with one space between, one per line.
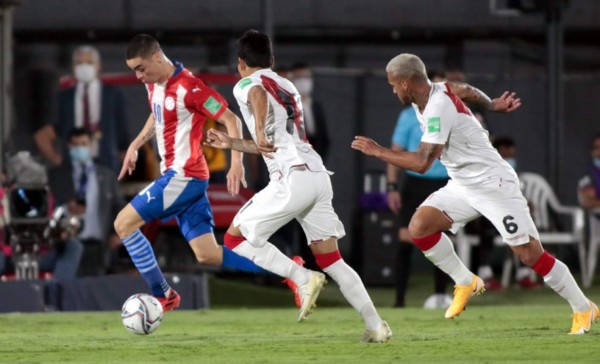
92 105
314 115
90 192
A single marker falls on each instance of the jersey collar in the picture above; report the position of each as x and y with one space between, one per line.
178 68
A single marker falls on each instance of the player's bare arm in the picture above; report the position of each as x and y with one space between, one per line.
235 176
218 139
131 155
419 161
507 102
393 193
259 102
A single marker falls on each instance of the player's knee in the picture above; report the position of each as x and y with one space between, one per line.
529 253
418 228
122 226
208 258
528 256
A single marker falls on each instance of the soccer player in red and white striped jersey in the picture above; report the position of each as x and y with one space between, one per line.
180 104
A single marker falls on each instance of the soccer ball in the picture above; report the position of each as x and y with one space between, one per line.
141 314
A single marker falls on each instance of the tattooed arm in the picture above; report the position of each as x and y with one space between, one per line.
507 102
131 155
418 161
244 146
146 134
218 139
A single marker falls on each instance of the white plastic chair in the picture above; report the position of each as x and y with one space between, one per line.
545 205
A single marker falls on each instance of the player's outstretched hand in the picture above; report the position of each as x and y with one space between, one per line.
507 102
235 176
128 163
217 139
366 145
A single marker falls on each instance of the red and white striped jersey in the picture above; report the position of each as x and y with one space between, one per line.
180 107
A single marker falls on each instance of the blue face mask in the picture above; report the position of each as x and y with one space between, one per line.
597 162
512 162
80 154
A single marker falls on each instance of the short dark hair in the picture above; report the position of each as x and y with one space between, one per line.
503 142
77 132
142 45
255 49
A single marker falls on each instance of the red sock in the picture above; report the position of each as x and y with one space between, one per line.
427 242
232 241
327 259
544 264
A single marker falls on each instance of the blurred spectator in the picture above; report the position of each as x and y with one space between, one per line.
406 199
589 190
314 115
62 258
92 105
589 185
90 191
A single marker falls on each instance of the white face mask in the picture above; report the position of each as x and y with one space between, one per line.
304 85
85 72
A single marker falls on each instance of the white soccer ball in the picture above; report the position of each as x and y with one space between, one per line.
141 314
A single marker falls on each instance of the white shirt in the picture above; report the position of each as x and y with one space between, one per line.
284 126
468 154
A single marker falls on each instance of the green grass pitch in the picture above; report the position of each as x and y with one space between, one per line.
511 326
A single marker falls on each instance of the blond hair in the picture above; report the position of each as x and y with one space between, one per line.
407 66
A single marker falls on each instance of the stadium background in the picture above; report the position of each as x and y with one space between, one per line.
547 51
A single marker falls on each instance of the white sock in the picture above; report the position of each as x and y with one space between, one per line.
444 257
562 282
272 259
354 291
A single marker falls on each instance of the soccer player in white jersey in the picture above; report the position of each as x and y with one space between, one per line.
299 186
180 104
482 183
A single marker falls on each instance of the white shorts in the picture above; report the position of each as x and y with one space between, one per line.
304 195
500 200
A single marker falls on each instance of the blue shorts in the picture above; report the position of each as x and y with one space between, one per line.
184 198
